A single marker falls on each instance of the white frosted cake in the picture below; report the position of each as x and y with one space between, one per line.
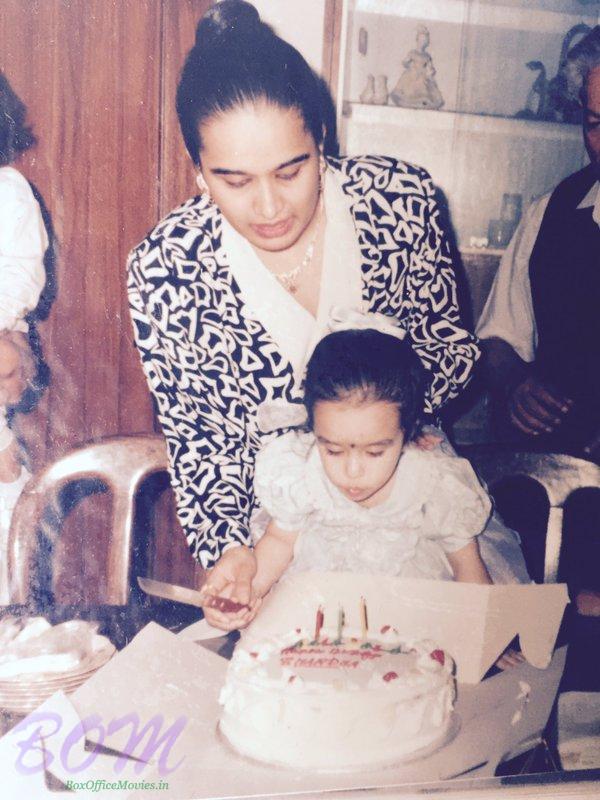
336 703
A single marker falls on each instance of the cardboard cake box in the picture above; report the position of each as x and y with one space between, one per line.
473 623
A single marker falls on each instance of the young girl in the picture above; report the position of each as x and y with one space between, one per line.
353 492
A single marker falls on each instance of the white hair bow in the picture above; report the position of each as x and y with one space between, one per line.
274 415
347 319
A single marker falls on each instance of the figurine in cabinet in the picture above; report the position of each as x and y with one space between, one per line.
381 90
417 87
368 93
536 105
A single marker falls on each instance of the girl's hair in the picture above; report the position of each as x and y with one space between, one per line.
367 365
238 59
15 136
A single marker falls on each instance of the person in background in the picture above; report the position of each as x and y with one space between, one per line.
541 326
23 242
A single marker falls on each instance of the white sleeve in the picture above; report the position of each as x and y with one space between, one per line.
280 480
458 507
508 312
23 242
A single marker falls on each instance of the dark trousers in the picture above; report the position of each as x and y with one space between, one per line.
524 507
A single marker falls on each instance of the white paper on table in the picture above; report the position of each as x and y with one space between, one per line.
66 757
16 784
200 631
162 679
22 765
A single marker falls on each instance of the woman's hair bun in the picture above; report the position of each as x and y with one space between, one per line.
227 17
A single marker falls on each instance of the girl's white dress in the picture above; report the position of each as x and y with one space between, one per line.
436 506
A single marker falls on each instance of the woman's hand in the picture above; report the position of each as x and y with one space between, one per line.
231 578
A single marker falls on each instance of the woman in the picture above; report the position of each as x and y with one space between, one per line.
230 292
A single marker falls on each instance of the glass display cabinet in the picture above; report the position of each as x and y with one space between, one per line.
474 91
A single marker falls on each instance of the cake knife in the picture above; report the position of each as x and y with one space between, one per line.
192 597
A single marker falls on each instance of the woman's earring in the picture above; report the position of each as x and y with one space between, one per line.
322 170
202 185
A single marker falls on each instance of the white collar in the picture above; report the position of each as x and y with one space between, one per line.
592 199
292 328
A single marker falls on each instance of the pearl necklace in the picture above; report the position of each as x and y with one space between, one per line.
289 280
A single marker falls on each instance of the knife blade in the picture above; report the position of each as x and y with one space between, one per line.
192 597
102 749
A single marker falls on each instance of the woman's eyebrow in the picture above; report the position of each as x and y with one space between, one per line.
291 162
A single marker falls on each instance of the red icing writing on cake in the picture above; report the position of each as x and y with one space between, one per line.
298 660
327 656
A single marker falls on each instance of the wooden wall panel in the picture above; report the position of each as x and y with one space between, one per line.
137 143
89 72
332 30
177 180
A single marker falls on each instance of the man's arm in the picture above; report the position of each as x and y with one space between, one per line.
531 405
507 327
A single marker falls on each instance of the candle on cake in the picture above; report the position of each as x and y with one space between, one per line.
364 622
340 626
318 623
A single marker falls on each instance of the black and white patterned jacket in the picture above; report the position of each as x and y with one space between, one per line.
209 364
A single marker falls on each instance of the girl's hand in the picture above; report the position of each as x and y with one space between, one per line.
231 578
510 658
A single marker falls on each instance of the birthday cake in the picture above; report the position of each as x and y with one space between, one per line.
336 702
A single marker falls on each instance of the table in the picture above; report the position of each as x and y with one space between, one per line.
123 622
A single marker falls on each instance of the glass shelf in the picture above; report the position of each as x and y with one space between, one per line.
448 120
